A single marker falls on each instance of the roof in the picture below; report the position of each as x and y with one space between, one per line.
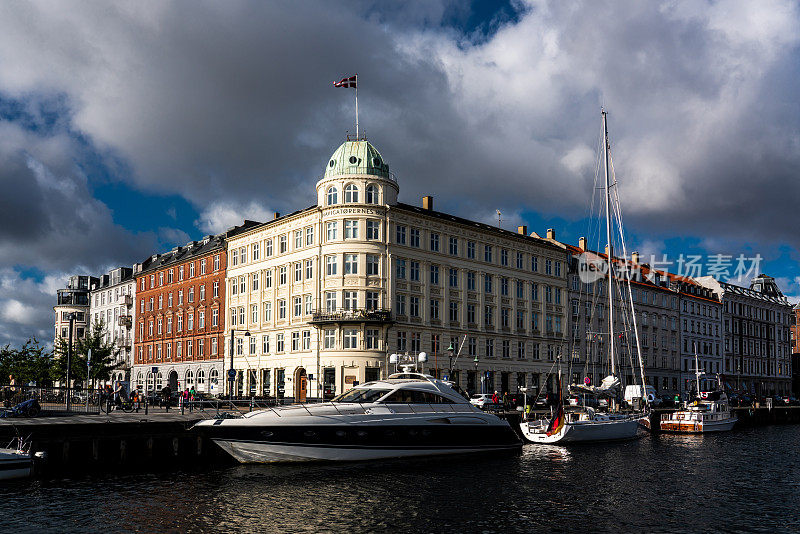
477 225
356 157
194 249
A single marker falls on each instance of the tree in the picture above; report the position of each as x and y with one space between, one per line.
30 363
104 356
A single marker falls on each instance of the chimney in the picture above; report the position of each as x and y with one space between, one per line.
522 230
427 203
551 233
635 257
277 216
582 243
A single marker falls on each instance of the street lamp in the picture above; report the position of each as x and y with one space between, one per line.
232 371
450 351
71 318
476 373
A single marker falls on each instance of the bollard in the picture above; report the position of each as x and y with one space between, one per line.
251 404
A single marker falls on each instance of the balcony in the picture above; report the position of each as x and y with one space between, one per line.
373 316
128 300
124 320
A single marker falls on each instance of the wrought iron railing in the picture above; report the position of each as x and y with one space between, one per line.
368 315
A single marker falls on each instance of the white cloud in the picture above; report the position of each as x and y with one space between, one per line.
220 216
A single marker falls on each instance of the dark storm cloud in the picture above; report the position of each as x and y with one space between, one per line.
230 105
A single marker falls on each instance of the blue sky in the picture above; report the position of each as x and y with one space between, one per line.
127 128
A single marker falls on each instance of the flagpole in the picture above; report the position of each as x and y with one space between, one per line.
356 107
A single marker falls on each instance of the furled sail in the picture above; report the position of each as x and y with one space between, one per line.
607 388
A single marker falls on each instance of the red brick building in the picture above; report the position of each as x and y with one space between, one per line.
180 317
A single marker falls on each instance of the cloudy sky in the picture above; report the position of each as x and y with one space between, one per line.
127 128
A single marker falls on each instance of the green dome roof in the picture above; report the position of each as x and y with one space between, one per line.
357 157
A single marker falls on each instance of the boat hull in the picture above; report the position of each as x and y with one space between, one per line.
349 443
584 432
14 464
694 427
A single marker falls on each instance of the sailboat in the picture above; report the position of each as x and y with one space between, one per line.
585 424
709 412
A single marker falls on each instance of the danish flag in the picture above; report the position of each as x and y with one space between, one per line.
347 82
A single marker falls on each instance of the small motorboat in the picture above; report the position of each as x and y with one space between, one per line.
16 460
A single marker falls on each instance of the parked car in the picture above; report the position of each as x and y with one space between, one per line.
484 401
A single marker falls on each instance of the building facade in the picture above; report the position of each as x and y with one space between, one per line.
112 305
756 324
318 300
74 299
180 322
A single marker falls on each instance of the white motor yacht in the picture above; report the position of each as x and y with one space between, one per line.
710 413
407 414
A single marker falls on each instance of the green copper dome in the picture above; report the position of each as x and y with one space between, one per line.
357 157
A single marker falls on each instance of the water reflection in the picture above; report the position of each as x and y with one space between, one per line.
742 480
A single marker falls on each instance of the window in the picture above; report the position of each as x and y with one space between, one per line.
242 287
279 342
350 193
400 267
400 235
268 248
504 257
413 273
180 321
487 283
234 261
309 236
215 317
241 315
306 340
490 348
558 269
295 341
254 313
414 237
298 306
435 275
372 264
453 277
373 229
332 196
520 289
488 315
330 230
283 244
298 239
487 253
548 266
504 286
309 269
308 304
330 301
454 246
470 281
282 275
534 265
471 250
401 305
401 341
434 242
329 339
189 322
519 260
351 264
201 319
434 309
298 272
413 306
350 338
203 292
372 300
454 311
535 292
350 300
281 309
371 194
256 251
254 283
350 229
268 278
371 338
471 313
267 314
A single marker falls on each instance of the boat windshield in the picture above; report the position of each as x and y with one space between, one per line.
361 395
412 396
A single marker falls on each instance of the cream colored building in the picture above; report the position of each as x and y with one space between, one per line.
326 294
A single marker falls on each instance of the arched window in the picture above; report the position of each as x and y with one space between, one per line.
189 378
351 193
159 381
213 376
372 194
333 195
149 381
139 381
201 377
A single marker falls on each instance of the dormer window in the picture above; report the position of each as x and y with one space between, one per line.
353 160
333 196
350 193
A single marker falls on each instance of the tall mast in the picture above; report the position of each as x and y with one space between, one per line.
610 251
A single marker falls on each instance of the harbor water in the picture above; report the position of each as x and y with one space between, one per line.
747 480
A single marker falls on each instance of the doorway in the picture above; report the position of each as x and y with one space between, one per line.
173 380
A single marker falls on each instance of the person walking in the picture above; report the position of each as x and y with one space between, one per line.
166 395
136 399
